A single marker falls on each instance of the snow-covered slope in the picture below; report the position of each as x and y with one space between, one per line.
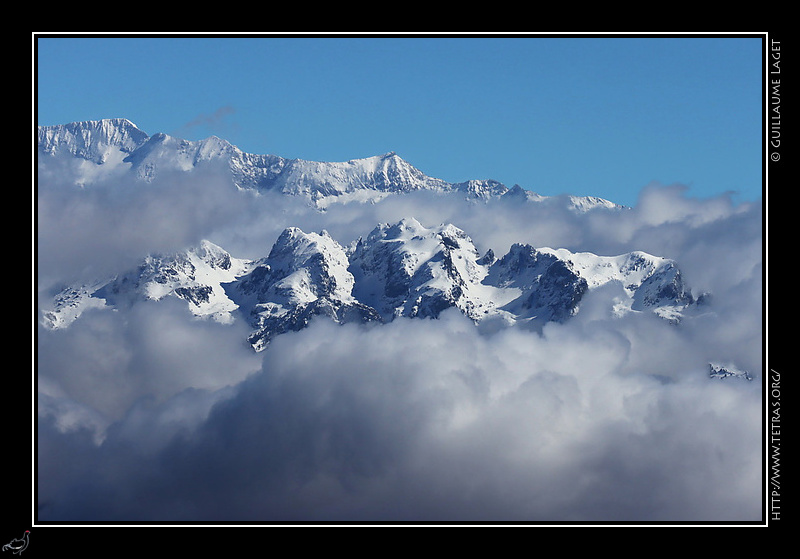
101 142
115 146
404 269
305 275
196 276
650 282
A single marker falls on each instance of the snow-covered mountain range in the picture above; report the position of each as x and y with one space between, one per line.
398 270
403 269
112 146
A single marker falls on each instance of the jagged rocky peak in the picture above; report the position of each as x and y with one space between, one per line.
487 259
521 264
485 189
406 269
294 248
413 242
551 288
196 275
664 286
404 229
379 174
95 140
215 255
720 371
163 153
302 266
304 275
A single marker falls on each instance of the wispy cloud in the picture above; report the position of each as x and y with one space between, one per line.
214 122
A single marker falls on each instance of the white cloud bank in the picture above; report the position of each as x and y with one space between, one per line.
146 414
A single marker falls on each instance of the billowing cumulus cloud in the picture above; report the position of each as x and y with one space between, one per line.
430 420
146 413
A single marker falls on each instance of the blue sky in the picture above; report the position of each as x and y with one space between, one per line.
590 116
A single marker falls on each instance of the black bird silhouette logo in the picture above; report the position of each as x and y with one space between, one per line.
17 546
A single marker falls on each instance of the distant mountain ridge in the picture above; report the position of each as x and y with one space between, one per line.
119 145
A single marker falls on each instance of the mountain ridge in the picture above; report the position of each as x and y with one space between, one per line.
401 269
118 143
